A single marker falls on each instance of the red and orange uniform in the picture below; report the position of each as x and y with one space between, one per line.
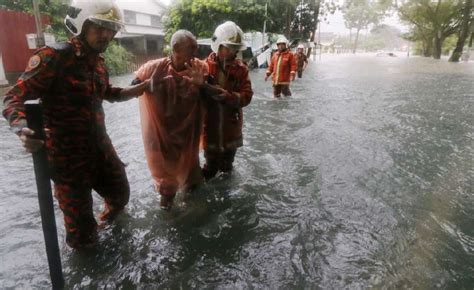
283 69
222 133
72 83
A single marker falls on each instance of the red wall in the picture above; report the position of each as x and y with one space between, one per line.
13 46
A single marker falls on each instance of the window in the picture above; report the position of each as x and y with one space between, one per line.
143 19
151 46
130 17
155 21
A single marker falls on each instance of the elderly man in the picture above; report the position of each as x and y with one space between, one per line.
72 81
171 117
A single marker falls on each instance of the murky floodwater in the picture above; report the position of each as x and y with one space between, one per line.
364 178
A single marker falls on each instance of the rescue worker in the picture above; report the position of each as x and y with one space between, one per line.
171 117
282 68
301 60
72 81
230 90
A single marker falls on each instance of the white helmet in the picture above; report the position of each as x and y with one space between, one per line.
229 35
104 13
300 46
282 39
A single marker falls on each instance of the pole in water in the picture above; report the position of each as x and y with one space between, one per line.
34 119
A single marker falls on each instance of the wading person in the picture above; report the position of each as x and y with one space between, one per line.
301 60
231 90
171 117
72 81
282 69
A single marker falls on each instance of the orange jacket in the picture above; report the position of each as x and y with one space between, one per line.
282 67
223 119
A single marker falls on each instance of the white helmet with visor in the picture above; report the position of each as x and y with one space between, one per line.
104 13
229 35
282 39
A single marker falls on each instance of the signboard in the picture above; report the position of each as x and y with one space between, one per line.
31 40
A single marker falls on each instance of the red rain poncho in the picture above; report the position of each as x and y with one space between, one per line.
171 119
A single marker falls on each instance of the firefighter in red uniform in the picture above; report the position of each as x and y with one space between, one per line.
301 60
282 69
229 90
72 81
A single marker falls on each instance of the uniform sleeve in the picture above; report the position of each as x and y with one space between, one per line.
113 94
34 83
293 64
243 97
272 66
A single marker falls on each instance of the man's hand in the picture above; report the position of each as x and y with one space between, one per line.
222 95
266 77
158 75
196 73
29 142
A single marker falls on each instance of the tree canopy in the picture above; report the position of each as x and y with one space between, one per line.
294 18
359 14
432 21
202 16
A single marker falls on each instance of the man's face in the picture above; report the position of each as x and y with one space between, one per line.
300 50
226 53
98 37
183 53
281 46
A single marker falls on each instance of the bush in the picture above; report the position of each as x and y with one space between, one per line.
117 59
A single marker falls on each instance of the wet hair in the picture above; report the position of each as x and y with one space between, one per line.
181 37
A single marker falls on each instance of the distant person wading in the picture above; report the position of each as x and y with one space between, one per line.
282 69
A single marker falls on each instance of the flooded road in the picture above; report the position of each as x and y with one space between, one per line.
363 178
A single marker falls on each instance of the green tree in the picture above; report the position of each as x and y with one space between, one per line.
431 21
304 22
307 16
201 17
465 27
117 59
359 14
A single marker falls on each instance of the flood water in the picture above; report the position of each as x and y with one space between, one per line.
363 178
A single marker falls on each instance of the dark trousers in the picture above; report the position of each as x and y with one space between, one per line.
218 161
279 89
109 180
300 73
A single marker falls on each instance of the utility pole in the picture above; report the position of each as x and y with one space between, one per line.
319 40
264 25
39 28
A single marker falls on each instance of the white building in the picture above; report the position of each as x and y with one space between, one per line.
144 30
